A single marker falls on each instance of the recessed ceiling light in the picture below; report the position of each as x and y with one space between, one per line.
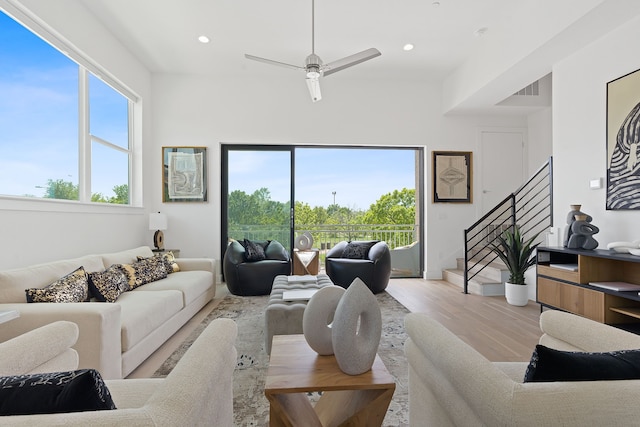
407 47
480 32
204 39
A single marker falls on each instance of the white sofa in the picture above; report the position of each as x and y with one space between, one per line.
451 384
45 349
114 338
197 392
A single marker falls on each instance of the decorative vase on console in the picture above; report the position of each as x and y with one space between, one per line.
571 218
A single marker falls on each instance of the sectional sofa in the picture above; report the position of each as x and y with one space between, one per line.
114 337
451 384
197 392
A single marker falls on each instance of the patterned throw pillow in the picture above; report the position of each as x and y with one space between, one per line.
357 250
548 364
146 270
169 260
253 251
74 287
56 392
109 284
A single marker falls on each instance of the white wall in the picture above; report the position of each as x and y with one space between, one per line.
579 117
35 232
190 110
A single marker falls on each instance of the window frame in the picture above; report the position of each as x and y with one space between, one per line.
85 139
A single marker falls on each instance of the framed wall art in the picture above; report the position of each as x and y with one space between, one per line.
623 137
184 174
452 177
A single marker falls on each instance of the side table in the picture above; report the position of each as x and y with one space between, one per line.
295 369
176 252
306 262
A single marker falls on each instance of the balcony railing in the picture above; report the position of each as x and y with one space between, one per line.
325 236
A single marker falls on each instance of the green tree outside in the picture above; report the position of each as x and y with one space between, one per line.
67 190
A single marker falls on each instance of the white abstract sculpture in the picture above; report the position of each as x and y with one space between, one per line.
318 318
345 323
356 329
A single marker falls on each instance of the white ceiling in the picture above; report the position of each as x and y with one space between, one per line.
163 33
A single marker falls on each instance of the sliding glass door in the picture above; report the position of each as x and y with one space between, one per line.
339 193
256 193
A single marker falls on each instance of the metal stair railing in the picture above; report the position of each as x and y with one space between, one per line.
530 207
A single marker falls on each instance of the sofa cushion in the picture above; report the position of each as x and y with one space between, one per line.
57 392
358 250
108 285
548 364
74 287
126 257
143 312
14 282
192 284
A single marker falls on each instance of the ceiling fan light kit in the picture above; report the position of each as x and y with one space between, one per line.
314 68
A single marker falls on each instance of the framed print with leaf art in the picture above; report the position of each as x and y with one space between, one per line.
623 154
452 177
184 174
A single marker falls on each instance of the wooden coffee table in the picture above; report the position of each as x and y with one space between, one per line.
295 369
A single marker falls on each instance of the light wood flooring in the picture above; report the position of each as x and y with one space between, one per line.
497 330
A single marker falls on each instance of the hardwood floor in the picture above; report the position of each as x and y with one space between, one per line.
497 330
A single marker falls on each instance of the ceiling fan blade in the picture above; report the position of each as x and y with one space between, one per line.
349 61
272 62
314 89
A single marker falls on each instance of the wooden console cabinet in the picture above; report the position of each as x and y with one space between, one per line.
563 277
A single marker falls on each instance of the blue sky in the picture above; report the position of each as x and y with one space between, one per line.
358 176
39 118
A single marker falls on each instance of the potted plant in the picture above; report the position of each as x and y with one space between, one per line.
517 255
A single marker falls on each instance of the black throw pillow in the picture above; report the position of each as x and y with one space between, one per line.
253 251
548 364
357 250
55 392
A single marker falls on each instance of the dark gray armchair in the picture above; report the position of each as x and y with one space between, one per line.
368 260
246 277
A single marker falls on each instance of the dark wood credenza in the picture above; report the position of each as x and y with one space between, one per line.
563 277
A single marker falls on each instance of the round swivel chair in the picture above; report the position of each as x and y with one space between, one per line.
368 260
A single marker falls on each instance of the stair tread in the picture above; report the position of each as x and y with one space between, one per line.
479 278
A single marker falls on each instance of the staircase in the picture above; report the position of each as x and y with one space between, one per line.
488 283
530 208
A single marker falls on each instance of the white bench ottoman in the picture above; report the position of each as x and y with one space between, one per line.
285 317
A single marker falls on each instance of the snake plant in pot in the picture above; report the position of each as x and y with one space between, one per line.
517 255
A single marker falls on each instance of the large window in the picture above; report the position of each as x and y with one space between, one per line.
64 132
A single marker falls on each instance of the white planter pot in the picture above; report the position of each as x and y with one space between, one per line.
516 294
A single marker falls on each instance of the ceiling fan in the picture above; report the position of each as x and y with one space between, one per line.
314 68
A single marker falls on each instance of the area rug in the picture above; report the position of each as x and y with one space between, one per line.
251 407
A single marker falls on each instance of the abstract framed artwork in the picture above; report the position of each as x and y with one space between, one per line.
184 174
452 176
623 139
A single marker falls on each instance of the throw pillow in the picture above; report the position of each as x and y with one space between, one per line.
548 364
148 270
56 392
253 251
168 259
109 284
358 250
74 287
